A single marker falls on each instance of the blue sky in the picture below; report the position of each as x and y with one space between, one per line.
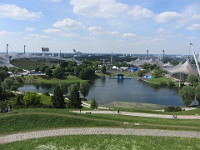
100 26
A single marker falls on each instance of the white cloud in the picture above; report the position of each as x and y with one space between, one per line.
67 24
50 30
99 30
56 1
98 8
167 17
163 31
196 16
139 12
96 30
29 29
194 27
15 12
37 36
128 35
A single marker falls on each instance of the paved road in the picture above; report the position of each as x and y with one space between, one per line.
140 114
86 131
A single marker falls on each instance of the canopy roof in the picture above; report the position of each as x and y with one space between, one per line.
185 68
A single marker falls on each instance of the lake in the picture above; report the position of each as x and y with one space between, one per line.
107 90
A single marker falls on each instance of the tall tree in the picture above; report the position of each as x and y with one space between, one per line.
64 87
84 89
197 90
75 100
94 104
188 94
192 79
57 99
103 69
59 72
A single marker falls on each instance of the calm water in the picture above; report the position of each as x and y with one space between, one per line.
129 90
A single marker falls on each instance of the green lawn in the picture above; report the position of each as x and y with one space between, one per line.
105 142
21 120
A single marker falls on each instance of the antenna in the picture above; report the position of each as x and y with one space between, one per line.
147 54
24 49
195 58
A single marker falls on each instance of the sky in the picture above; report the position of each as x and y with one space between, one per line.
100 26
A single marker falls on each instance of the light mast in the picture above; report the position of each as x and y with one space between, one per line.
195 59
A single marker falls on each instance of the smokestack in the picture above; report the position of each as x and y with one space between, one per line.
24 49
6 48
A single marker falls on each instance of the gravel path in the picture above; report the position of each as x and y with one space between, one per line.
140 114
86 131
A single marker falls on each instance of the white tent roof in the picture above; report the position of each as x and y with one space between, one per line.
185 68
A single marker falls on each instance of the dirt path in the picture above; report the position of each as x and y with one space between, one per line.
88 131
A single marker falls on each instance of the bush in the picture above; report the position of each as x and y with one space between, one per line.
172 109
171 83
163 83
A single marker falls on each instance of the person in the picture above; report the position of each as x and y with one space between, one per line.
118 111
80 110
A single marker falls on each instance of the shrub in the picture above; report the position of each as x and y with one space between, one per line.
172 109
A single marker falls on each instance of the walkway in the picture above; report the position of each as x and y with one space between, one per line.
90 131
140 114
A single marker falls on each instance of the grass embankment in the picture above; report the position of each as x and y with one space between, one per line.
40 119
103 142
51 80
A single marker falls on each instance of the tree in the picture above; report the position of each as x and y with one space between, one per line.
48 72
31 99
57 99
59 72
103 69
94 104
75 100
192 79
84 88
156 73
188 94
197 90
64 87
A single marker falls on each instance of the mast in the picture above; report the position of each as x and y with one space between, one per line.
195 59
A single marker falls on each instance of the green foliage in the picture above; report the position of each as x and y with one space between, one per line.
156 73
197 90
59 72
84 88
163 83
48 72
140 73
3 106
64 64
7 83
94 104
149 66
46 94
31 99
75 100
192 79
3 73
103 69
57 98
64 87
188 94
171 83
172 109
